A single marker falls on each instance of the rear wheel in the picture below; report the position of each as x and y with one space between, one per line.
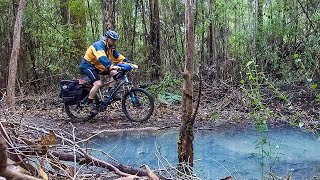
80 111
137 105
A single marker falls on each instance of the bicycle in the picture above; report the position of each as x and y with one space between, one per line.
137 104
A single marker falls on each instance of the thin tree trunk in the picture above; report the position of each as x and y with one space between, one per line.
14 55
22 75
79 24
64 11
177 32
155 58
210 39
144 23
259 50
145 37
214 41
91 20
134 30
225 43
202 53
108 14
185 142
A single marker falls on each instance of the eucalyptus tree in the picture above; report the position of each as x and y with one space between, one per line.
6 32
14 55
186 136
109 10
155 60
78 10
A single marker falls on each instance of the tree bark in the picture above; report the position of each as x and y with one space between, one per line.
259 50
210 43
64 11
14 55
185 142
155 58
134 30
79 24
91 20
108 7
225 44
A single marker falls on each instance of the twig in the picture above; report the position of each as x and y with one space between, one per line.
151 175
198 103
7 172
74 153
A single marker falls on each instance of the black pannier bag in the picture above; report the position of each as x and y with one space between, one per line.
70 91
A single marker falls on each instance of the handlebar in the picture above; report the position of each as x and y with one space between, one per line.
125 67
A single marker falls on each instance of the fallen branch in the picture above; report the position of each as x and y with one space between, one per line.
7 172
70 151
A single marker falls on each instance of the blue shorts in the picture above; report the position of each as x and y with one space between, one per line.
92 74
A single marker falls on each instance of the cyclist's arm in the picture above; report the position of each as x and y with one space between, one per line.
105 61
119 57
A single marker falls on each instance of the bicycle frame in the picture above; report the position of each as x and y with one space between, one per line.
106 98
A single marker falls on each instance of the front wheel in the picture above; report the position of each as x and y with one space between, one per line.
137 105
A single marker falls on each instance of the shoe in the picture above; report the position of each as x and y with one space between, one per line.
93 109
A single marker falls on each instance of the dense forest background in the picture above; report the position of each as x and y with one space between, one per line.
281 38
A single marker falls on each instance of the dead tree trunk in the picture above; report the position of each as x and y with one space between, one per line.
14 56
185 142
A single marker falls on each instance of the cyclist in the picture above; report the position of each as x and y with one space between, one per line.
101 58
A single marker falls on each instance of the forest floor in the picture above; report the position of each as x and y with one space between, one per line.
220 107
224 108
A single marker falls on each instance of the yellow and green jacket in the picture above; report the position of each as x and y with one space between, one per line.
100 56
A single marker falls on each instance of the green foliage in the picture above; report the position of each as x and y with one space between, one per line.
169 98
214 116
318 98
269 154
167 90
76 8
251 85
314 86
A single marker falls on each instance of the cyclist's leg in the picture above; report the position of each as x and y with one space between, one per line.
116 97
97 83
112 73
94 79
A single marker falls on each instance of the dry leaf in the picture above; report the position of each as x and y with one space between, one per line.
42 173
49 140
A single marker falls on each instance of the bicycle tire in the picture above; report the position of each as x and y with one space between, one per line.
70 109
136 104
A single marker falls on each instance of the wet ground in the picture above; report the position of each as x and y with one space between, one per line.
221 152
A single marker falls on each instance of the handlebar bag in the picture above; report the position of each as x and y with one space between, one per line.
70 91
